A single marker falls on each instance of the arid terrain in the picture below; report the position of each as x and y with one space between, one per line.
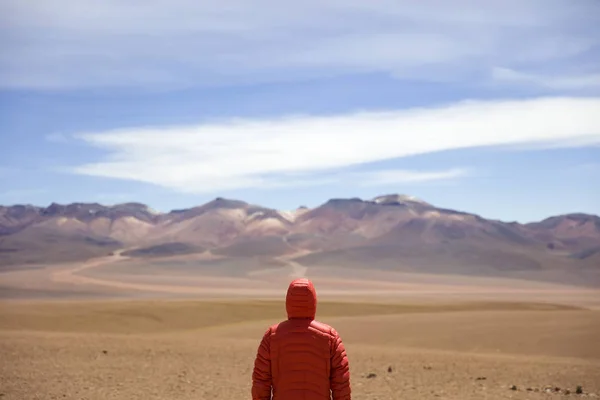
110 329
184 349
431 303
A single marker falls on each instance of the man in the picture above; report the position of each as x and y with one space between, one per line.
301 358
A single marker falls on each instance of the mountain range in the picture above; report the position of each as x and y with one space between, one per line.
388 232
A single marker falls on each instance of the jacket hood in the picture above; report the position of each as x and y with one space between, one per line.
301 299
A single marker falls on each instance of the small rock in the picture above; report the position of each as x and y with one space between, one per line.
105 351
427 367
579 389
513 387
389 369
371 375
530 389
481 378
567 391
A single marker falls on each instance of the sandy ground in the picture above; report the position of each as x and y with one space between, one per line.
112 328
118 276
205 349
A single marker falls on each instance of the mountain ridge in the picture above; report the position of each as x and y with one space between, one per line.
382 200
386 231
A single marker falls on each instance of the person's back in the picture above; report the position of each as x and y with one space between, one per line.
301 358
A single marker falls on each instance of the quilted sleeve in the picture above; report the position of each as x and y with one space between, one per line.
261 376
340 372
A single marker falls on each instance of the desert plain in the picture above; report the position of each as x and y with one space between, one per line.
110 329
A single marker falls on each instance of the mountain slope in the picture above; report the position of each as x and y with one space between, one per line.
73 232
393 232
572 232
47 245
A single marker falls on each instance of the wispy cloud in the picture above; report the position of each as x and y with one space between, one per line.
304 150
583 81
345 177
164 43
390 177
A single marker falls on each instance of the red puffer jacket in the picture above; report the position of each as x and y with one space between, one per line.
301 358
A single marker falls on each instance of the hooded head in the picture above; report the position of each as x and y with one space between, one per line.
301 299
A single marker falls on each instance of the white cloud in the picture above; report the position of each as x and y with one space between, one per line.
304 150
383 177
166 43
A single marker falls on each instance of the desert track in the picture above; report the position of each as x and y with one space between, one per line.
72 275
119 276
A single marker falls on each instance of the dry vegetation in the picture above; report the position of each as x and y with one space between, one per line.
205 349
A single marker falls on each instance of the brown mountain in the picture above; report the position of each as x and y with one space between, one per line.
571 232
15 218
71 232
393 232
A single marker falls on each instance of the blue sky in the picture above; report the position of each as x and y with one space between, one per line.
488 107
